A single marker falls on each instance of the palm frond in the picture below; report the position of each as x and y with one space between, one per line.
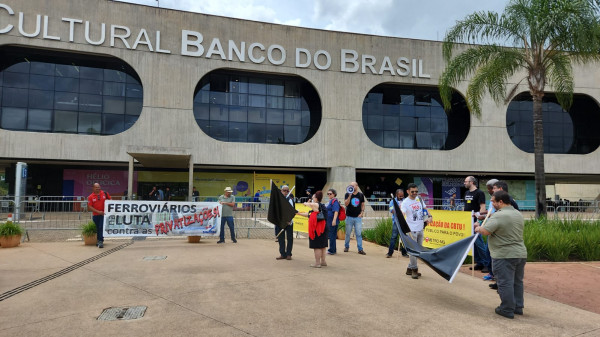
560 76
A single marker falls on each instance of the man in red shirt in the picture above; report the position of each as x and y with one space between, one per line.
96 205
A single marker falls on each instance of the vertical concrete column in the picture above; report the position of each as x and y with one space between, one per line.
339 178
130 179
190 178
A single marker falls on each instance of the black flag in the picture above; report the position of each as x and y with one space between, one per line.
280 212
445 260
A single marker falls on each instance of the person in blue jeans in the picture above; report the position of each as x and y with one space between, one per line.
333 210
395 226
355 208
227 202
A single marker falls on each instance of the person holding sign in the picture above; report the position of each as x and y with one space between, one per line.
227 201
416 216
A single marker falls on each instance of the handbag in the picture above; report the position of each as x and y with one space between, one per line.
320 216
322 213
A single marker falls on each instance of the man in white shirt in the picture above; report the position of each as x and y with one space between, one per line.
412 209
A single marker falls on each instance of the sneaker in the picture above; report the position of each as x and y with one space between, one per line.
485 270
288 257
477 267
280 257
415 274
330 253
362 252
518 311
388 256
220 241
504 314
100 244
346 250
234 241
488 277
408 271
494 286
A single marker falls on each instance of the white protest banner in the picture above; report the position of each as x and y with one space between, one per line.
161 218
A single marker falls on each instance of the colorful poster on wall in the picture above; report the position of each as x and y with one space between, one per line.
447 227
80 182
262 182
213 183
425 186
450 187
301 222
159 218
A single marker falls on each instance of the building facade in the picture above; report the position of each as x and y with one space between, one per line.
102 85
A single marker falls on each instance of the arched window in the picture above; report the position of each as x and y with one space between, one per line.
570 131
50 91
407 117
235 106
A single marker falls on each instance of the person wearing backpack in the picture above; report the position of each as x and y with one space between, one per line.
333 211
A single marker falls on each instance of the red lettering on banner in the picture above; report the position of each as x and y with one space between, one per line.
216 211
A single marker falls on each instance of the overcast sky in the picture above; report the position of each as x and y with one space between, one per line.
425 19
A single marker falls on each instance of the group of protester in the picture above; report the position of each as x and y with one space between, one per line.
503 257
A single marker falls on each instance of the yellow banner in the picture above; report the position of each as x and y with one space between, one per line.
213 183
447 227
262 182
301 222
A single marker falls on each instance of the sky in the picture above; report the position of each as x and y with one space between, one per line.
425 19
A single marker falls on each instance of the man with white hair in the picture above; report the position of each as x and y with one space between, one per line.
227 202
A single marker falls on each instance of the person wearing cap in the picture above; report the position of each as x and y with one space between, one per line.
227 202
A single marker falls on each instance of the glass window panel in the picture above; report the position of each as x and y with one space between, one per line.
274 116
21 67
257 101
523 129
133 106
293 103
555 117
376 136
274 102
391 123
238 84
304 104
204 125
90 103
90 87
375 98
238 132
134 90
407 140
42 68
39 120
407 98
14 118
257 115
375 122
218 83
202 97
238 114
16 80
91 73
423 124
111 75
257 86
439 125
408 124
526 105
218 97
391 110
67 70
292 117
292 89
407 110
423 140
112 124
89 123
422 111
114 105
41 82
238 99
293 134
438 140
275 88
41 99
12 97
129 121
219 130
65 121
422 98
114 89
256 133
201 111
375 109
66 101
438 112
305 118
274 134
554 107
305 131
219 113
391 139
67 84
131 79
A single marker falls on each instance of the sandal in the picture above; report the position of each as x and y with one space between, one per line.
315 265
323 264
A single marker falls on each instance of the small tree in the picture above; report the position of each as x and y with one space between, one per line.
537 38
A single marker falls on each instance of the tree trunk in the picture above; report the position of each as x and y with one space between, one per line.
538 150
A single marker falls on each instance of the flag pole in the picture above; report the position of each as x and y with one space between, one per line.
398 226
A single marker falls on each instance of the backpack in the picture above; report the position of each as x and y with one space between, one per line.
342 213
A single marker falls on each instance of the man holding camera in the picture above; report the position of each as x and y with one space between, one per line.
355 209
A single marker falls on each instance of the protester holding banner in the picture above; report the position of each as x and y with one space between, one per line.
96 202
285 251
414 211
355 208
227 201
509 254
333 210
395 226
317 229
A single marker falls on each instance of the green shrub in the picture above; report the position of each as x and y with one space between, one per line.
10 228
381 233
587 243
88 229
342 226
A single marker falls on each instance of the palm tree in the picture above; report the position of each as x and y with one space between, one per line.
536 38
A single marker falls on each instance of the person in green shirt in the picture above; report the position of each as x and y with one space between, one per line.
509 254
227 202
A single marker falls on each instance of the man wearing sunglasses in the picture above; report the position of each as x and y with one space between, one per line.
413 210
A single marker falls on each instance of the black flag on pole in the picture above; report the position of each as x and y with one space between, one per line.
445 260
280 212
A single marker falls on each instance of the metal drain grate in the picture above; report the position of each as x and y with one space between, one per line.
152 258
122 314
